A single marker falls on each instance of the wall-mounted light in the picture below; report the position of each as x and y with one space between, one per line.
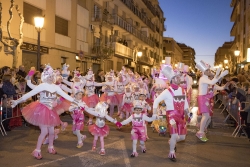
225 61
242 66
237 52
77 58
163 61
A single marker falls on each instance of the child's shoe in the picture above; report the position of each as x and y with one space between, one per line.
37 154
134 154
51 150
102 152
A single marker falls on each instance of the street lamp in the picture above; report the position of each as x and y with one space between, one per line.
139 53
225 61
39 21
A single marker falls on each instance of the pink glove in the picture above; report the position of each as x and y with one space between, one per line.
31 72
118 124
61 98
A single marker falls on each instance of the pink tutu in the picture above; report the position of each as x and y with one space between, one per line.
91 101
113 100
38 114
119 98
127 107
62 106
96 131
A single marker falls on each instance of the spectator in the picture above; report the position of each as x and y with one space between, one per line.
41 68
78 69
21 71
5 70
99 77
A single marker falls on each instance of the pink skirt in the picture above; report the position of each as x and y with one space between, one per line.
119 98
96 131
113 100
127 107
180 126
62 107
91 101
38 114
203 104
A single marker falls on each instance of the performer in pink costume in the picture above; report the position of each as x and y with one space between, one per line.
120 84
127 102
204 96
78 116
138 122
40 113
90 98
109 92
100 129
146 107
186 82
177 107
136 91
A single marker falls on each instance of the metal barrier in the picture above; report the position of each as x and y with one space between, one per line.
5 114
239 120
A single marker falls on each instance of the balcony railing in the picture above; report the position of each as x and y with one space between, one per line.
233 30
105 52
138 13
117 20
122 50
150 6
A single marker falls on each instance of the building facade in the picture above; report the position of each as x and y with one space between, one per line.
188 57
241 31
88 33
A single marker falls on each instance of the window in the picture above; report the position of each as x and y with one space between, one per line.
82 3
119 66
29 12
108 65
61 26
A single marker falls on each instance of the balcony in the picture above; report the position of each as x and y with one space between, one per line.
233 30
117 20
140 14
157 29
234 14
146 60
150 6
122 50
104 52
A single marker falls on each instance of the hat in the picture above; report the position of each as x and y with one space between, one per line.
89 74
137 104
180 66
47 71
168 72
143 92
202 66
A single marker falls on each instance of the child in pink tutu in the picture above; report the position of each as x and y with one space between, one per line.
78 116
90 98
127 102
120 84
109 92
100 129
40 113
138 131
136 91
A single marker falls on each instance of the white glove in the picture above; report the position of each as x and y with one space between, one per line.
172 122
13 103
224 73
155 111
155 116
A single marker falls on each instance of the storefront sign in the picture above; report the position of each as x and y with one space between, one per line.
33 48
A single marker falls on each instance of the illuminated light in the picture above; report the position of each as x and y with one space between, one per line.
236 52
242 66
220 65
139 53
163 61
195 82
39 21
226 61
77 58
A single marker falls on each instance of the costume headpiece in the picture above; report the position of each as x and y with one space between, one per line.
89 74
47 71
137 104
180 66
169 73
202 66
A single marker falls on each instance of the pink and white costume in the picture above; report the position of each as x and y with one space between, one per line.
41 113
204 96
120 84
127 102
100 129
138 127
177 106
109 92
186 83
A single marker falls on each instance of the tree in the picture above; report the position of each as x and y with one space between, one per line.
14 43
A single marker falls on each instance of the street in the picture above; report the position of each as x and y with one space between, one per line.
221 150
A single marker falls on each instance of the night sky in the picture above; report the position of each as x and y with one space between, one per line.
201 24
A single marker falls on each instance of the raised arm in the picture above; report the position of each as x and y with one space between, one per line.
30 84
109 118
148 119
65 88
67 82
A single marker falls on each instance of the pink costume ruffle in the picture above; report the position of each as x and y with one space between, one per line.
62 106
180 126
119 98
127 107
96 131
38 114
113 100
91 101
78 120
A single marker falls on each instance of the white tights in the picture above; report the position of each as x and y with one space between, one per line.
174 139
204 120
135 144
44 131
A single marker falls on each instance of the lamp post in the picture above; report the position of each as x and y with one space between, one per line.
139 54
237 54
39 21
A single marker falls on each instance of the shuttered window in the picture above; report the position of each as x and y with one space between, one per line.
29 12
61 26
